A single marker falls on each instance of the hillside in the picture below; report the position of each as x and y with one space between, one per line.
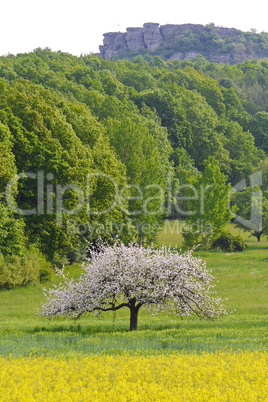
102 147
184 42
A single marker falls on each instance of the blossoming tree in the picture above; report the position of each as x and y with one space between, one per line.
132 276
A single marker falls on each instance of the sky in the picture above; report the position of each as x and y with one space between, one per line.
77 27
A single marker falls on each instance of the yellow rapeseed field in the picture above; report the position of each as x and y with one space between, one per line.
215 377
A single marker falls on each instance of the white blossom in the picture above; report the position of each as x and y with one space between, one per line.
132 276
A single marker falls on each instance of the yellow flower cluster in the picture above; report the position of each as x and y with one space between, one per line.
209 377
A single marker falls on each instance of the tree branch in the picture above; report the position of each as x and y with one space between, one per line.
113 308
200 312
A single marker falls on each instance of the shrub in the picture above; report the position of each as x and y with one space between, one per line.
38 264
229 242
18 271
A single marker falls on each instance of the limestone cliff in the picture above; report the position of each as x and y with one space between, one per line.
219 44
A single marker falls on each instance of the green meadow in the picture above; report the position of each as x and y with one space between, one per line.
242 279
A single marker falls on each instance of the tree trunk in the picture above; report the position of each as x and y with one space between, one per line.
134 309
133 319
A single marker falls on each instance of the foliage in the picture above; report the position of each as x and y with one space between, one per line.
249 80
251 203
229 242
58 144
12 236
210 212
7 159
31 268
130 276
130 126
259 128
146 157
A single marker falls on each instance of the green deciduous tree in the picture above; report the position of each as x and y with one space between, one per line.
210 209
48 138
147 170
252 206
259 128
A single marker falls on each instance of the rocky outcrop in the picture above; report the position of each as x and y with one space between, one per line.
148 37
171 31
152 36
113 44
135 38
224 32
183 42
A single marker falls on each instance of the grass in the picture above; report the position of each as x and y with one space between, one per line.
242 278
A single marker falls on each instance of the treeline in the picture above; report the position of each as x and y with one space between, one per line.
98 149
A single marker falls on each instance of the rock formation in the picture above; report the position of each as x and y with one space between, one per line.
148 37
135 38
152 35
170 42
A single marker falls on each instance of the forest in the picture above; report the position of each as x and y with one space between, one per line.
94 148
